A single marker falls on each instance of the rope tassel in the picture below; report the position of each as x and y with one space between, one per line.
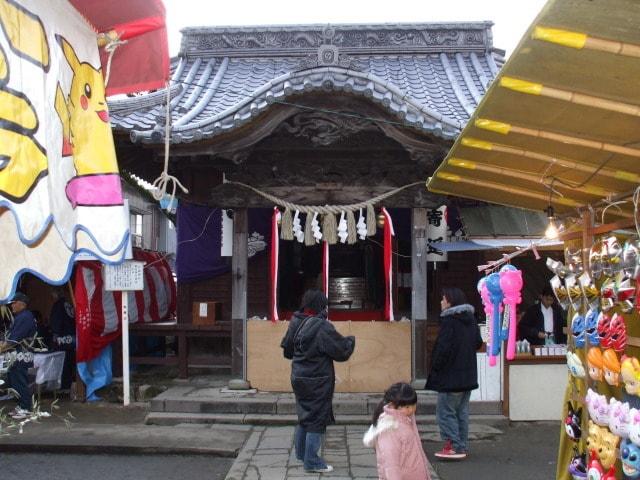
351 228
286 226
309 239
329 228
371 221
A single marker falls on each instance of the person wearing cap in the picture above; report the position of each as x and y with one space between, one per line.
22 331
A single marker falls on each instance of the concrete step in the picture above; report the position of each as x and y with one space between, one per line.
425 422
285 405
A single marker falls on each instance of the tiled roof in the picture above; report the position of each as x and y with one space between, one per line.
431 76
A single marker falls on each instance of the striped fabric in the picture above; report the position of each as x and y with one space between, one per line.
98 312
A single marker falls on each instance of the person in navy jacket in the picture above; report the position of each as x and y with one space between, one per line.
20 336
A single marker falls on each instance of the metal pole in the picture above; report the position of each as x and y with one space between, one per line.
125 347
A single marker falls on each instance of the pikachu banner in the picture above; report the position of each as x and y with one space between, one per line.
60 191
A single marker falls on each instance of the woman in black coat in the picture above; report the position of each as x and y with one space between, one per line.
454 371
313 344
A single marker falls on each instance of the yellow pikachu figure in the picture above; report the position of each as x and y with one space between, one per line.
87 135
23 161
608 448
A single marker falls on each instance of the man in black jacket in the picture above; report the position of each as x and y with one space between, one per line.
313 344
63 327
543 321
454 371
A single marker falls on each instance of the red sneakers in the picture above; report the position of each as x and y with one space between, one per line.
448 453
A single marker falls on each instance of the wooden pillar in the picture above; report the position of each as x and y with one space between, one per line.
239 292
419 296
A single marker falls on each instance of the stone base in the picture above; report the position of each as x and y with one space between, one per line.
419 383
239 384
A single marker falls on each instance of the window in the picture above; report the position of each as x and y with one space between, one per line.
135 226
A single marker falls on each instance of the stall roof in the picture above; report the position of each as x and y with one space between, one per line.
562 116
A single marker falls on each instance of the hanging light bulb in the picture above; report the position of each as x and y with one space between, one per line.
552 230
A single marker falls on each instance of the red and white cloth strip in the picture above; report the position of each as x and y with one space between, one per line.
325 269
275 253
388 266
98 312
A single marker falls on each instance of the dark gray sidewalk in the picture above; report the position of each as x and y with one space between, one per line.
260 439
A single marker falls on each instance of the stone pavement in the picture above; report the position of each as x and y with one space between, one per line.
269 455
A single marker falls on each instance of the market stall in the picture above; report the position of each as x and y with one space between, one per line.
557 131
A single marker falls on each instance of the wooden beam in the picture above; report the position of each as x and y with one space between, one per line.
239 277
419 294
600 229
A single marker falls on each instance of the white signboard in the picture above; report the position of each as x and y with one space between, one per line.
124 277
436 233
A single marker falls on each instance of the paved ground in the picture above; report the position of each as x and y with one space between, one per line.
499 449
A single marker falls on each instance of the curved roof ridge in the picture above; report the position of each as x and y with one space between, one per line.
206 98
386 94
195 93
454 84
462 66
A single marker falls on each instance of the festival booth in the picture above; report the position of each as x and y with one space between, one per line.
557 131
60 189
330 124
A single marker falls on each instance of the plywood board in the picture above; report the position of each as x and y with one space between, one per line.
382 356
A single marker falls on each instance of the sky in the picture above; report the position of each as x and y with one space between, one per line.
511 17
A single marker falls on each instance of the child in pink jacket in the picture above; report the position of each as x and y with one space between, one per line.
394 435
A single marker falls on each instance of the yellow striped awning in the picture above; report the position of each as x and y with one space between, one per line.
561 122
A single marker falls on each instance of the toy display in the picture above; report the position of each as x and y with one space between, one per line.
630 457
575 365
596 470
511 286
611 367
595 363
578 330
572 422
619 418
578 466
496 296
630 373
598 408
591 327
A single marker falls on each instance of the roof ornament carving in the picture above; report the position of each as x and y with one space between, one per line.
328 54
324 129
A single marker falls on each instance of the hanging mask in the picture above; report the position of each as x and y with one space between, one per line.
578 330
634 426
611 367
591 327
617 333
557 267
573 259
608 451
598 408
574 364
626 294
594 364
604 321
611 256
631 258
560 292
590 292
596 470
573 291
630 373
572 422
594 439
578 465
619 418
595 260
607 295
630 458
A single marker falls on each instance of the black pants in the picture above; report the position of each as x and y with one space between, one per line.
18 380
69 369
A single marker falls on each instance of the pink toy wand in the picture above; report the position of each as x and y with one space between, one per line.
488 311
511 286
